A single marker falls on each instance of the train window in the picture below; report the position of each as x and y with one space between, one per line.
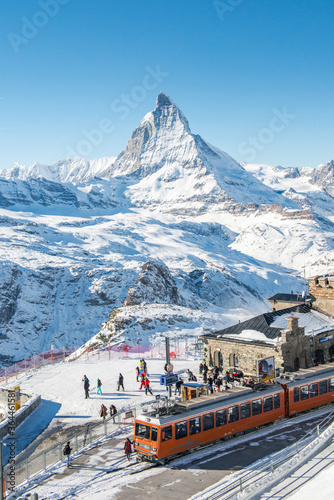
143 431
166 433
296 395
194 425
304 392
256 406
208 421
233 414
181 430
331 384
244 410
277 401
323 386
220 417
314 391
154 434
268 403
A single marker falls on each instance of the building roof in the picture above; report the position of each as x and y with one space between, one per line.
289 297
267 327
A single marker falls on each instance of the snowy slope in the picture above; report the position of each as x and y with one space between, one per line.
75 237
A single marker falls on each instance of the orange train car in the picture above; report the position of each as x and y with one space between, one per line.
199 421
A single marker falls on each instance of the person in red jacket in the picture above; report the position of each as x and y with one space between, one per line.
147 386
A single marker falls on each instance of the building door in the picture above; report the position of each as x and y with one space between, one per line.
331 353
296 365
231 361
218 360
319 356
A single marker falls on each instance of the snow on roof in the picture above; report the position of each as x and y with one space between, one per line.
313 321
251 336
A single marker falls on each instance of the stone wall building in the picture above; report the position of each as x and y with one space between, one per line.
297 337
285 300
321 290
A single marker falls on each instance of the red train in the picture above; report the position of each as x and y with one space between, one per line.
205 419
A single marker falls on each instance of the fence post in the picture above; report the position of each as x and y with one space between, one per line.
240 483
44 460
90 435
105 427
318 429
272 466
297 447
60 453
76 442
27 469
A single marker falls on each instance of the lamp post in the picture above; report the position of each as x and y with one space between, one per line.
1 473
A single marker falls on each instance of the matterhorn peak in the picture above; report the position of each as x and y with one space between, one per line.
164 100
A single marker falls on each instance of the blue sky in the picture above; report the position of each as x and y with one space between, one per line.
253 77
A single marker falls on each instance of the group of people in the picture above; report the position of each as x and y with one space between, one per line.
104 411
120 385
141 372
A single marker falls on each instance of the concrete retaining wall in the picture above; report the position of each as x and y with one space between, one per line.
29 404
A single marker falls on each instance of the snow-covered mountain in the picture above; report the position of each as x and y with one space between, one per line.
173 236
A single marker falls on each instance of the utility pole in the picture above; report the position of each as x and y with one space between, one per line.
1 473
168 362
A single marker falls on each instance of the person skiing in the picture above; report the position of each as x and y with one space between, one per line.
103 412
99 384
128 448
120 382
67 452
86 386
147 386
137 373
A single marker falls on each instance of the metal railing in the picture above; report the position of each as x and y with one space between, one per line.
254 478
92 433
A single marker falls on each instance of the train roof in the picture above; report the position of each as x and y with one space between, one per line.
208 403
314 373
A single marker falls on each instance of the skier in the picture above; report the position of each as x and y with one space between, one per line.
86 386
137 373
103 412
99 384
120 382
128 448
67 452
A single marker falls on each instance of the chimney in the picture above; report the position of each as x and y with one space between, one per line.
292 324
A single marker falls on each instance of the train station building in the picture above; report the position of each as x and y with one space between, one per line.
296 337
